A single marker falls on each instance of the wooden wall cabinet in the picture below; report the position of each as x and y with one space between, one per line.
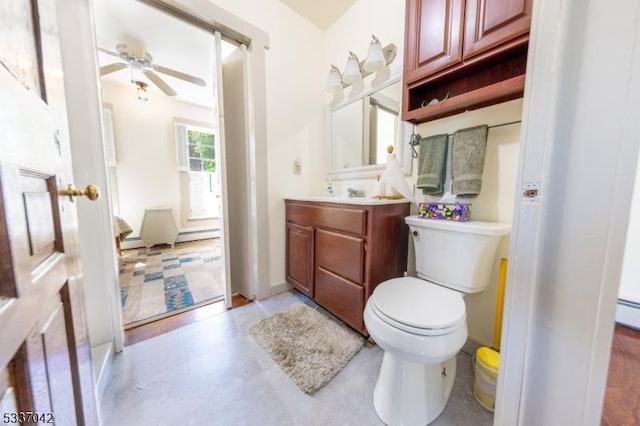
338 253
466 54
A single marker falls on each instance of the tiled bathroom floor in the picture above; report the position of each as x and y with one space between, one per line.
212 372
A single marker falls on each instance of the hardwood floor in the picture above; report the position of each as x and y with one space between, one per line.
622 397
161 326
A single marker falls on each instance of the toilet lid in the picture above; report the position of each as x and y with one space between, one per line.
418 303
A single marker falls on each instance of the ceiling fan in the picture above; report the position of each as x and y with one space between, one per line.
143 62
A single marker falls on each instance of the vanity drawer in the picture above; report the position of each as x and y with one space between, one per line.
341 297
352 221
341 254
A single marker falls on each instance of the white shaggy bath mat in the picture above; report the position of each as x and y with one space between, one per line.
308 346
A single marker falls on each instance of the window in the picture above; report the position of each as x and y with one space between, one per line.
202 152
196 155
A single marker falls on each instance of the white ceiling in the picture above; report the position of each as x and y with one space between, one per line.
178 45
171 43
322 13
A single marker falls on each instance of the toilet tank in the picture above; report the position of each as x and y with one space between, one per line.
458 255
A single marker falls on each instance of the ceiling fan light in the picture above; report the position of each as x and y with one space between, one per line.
141 89
141 63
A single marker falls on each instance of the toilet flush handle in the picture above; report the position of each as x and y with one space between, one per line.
415 233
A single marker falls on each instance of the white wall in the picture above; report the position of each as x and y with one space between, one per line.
495 202
386 19
353 30
146 170
295 121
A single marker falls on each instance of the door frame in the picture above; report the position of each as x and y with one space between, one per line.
84 106
558 324
77 35
206 15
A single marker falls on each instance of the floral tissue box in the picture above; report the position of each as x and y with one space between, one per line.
460 212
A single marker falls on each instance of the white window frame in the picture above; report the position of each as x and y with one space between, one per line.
182 127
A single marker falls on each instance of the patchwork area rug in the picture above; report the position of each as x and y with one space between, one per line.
163 281
307 345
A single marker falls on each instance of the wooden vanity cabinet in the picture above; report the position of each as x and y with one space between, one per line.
471 52
338 253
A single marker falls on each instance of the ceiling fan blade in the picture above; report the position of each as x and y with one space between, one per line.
108 52
112 68
180 75
160 83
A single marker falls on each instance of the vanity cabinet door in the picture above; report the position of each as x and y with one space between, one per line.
300 244
495 25
433 37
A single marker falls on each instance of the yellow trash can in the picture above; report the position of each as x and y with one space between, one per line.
487 362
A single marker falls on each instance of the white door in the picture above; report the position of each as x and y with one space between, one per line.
45 361
222 175
235 171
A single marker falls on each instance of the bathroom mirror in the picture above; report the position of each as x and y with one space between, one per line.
362 125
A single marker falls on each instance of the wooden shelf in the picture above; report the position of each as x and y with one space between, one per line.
503 91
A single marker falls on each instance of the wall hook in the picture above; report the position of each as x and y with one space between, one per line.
414 140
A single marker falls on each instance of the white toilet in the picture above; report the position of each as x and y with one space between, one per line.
421 322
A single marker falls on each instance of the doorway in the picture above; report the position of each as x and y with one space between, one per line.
621 402
160 105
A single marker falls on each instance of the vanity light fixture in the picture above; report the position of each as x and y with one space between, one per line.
334 81
375 58
378 58
352 70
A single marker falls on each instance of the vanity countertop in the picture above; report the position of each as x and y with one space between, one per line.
346 200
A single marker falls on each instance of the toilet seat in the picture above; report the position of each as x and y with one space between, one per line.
418 306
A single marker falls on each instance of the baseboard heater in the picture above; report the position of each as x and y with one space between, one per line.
628 313
136 242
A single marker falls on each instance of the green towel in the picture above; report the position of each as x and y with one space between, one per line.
432 162
468 152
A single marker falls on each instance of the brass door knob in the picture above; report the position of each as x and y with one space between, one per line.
92 192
